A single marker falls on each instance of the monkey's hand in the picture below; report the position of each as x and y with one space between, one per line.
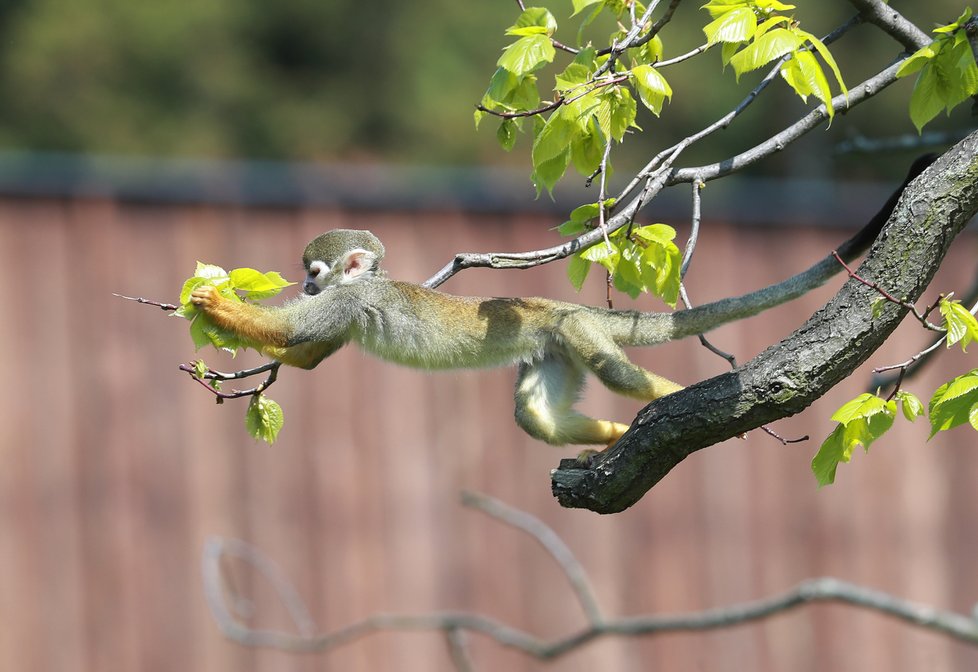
206 298
258 325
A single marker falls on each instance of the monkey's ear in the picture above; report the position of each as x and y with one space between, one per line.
357 263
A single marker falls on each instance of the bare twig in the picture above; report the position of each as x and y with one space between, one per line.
149 302
921 316
456 624
271 367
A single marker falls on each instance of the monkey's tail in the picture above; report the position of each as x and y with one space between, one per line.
653 328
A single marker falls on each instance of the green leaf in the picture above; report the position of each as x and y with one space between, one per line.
917 60
264 418
863 406
911 405
623 111
506 134
771 23
718 8
832 451
861 421
734 26
189 286
659 233
200 369
803 74
649 53
501 85
961 325
551 150
258 285
581 5
927 99
534 21
527 54
953 402
204 332
601 254
587 150
574 76
652 87
768 47
215 274
582 215
826 55
577 270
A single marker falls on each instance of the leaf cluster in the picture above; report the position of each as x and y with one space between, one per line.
241 284
752 33
946 72
595 97
264 418
638 259
869 416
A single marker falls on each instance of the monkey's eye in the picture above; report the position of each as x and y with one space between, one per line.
318 268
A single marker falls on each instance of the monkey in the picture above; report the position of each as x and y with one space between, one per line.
553 344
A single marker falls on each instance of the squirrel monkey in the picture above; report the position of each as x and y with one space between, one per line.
553 343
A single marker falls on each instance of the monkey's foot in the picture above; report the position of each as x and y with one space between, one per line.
586 456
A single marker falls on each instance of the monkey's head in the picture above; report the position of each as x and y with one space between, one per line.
340 256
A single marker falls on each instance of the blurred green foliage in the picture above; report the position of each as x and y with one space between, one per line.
328 79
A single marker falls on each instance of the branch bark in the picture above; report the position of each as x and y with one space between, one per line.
787 377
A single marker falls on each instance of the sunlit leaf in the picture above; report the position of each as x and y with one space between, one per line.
527 54
264 418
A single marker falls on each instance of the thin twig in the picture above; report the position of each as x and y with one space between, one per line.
149 302
271 367
903 303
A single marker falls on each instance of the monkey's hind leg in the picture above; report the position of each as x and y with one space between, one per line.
605 359
545 394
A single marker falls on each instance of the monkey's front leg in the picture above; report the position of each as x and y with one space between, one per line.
262 326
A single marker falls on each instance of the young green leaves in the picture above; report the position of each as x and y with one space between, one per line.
861 421
239 285
961 325
947 71
868 416
588 110
639 259
753 34
264 417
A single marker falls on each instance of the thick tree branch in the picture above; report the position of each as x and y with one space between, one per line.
788 377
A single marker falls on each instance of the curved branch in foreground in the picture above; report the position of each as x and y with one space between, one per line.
786 378
454 624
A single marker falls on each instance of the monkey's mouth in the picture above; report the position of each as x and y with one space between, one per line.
310 288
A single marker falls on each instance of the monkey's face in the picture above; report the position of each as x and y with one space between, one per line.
317 277
339 256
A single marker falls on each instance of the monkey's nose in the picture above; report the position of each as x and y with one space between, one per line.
310 288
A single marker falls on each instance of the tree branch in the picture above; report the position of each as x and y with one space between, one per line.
456 624
892 22
788 377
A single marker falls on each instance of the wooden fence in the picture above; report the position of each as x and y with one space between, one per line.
115 468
